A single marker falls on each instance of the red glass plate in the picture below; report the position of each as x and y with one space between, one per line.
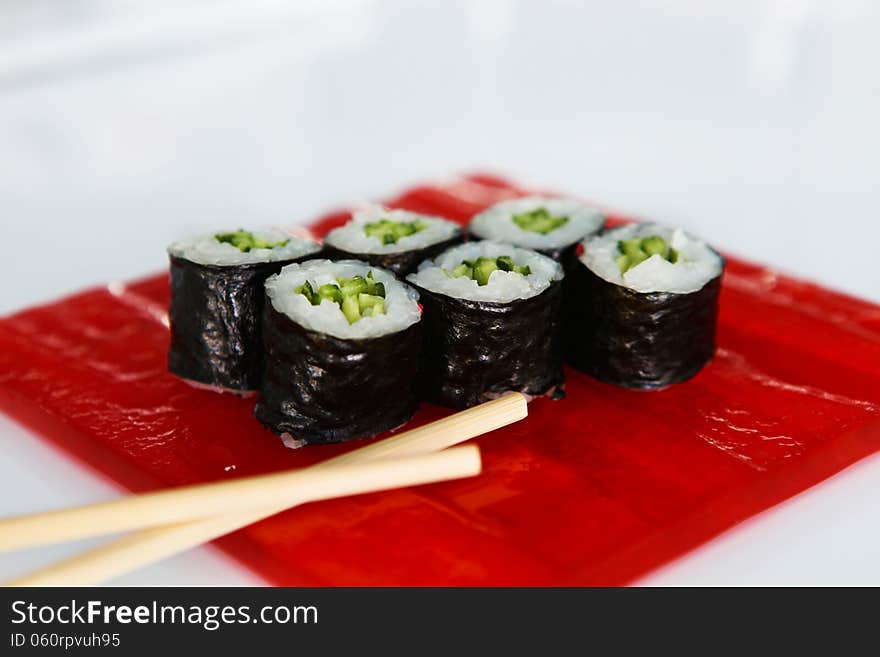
596 489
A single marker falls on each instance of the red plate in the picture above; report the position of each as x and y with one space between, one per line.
596 489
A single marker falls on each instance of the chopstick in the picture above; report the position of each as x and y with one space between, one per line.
148 546
192 502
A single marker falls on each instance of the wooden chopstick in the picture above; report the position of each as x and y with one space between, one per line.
191 502
148 546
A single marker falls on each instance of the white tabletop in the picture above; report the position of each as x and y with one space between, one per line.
127 125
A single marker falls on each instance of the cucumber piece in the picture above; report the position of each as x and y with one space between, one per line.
306 290
637 259
483 270
539 221
331 292
388 231
505 263
632 248
351 309
627 261
244 241
655 245
373 287
350 295
464 269
636 250
378 308
352 286
366 301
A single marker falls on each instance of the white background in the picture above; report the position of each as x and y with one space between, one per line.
125 125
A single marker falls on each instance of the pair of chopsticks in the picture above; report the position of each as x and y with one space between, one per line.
178 519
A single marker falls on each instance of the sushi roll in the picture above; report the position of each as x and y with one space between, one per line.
644 306
217 302
397 240
491 324
552 226
342 343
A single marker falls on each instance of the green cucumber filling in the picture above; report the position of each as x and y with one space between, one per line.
357 297
539 221
388 231
244 241
481 269
639 249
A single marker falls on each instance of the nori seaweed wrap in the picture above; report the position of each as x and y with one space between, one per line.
491 324
565 256
551 226
217 301
397 240
653 324
342 343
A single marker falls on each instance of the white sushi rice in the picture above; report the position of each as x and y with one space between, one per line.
208 250
697 264
352 238
497 222
503 286
401 301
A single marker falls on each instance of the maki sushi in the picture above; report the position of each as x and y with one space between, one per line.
397 240
552 226
217 302
342 343
491 324
644 306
